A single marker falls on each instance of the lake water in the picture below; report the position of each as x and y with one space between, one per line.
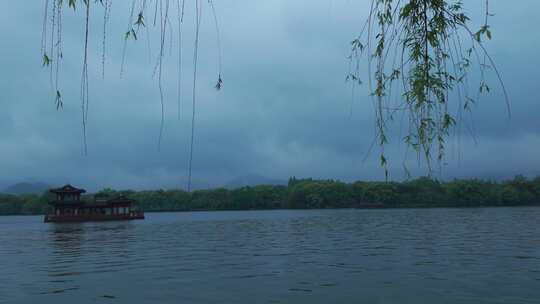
486 255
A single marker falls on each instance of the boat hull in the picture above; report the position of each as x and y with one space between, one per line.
51 218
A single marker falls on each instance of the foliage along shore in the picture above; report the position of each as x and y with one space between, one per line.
315 194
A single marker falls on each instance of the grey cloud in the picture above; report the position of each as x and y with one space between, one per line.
285 108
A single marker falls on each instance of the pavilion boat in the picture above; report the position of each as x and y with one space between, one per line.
68 207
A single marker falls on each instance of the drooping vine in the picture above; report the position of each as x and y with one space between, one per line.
130 33
107 4
163 24
44 30
84 79
53 32
416 48
58 47
52 49
180 6
422 49
219 83
198 17
52 52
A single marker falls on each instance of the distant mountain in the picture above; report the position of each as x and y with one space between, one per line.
253 180
27 188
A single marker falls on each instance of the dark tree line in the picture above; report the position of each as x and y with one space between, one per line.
315 194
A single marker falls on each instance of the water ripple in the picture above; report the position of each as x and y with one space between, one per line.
344 256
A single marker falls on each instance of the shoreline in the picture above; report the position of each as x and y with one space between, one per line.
313 209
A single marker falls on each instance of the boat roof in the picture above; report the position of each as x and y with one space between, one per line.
69 189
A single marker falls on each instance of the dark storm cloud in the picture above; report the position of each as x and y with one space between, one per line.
285 109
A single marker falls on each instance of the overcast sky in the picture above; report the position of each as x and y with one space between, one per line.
285 108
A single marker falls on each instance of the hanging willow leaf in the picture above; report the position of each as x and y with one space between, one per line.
140 20
219 84
46 60
418 46
130 33
58 100
72 3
